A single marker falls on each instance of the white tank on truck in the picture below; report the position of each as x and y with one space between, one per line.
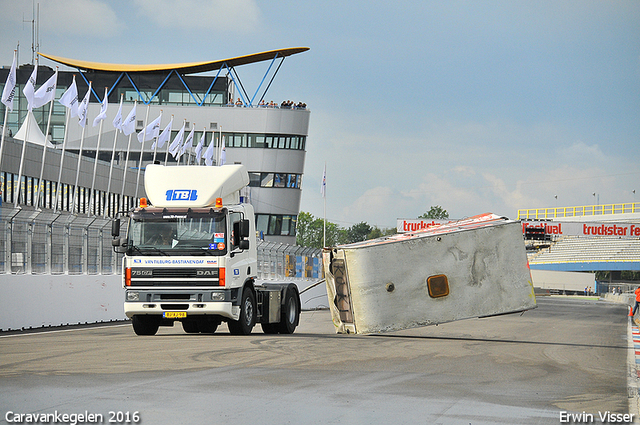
190 256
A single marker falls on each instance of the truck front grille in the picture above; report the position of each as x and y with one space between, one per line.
143 276
174 306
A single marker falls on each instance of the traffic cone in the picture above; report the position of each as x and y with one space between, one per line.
630 311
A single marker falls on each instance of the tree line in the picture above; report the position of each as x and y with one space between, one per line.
309 229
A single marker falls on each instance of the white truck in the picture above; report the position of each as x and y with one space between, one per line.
190 256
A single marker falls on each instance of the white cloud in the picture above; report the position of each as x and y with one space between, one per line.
80 18
237 16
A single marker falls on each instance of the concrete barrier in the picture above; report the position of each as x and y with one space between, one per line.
628 299
34 301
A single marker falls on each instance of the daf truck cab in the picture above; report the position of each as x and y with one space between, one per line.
190 256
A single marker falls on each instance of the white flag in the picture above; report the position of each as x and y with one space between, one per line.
323 187
117 121
199 147
188 142
208 154
70 98
47 92
175 146
129 124
9 90
223 153
30 88
152 130
164 136
83 107
103 110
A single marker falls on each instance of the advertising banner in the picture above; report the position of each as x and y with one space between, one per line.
414 225
572 228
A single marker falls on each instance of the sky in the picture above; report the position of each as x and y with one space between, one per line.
475 106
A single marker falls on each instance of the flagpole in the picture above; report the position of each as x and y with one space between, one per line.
4 129
155 145
92 198
190 140
219 144
126 162
9 100
113 154
166 155
85 113
324 197
30 99
75 187
324 224
144 135
64 143
203 138
44 149
17 187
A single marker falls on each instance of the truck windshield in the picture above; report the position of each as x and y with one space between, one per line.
167 233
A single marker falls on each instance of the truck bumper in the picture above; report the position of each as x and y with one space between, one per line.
158 302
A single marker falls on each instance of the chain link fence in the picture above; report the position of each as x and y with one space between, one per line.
33 242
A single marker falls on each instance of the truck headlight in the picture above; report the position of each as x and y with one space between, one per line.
217 296
133 296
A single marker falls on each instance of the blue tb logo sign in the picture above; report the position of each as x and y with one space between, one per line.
182 195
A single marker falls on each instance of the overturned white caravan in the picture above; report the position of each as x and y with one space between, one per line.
470 268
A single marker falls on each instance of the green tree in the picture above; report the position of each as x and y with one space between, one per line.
358 232
436 213
377 232
310 231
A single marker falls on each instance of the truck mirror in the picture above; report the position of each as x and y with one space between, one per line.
244 228
115 228
244 244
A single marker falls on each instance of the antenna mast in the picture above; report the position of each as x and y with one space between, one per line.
35 30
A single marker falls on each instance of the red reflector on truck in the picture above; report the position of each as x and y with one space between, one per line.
221 276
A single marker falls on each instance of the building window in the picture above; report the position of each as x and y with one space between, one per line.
276 224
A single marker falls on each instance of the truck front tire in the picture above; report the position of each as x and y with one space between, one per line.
247 319
145 325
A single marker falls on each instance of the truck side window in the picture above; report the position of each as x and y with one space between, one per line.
234 240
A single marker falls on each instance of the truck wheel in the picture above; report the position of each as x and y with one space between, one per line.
145 325
244 326
190 326
290 313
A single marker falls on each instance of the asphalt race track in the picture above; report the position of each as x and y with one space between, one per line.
567 356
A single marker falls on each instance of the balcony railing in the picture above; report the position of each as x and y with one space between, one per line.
579 211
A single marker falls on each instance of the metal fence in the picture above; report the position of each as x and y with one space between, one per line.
41 242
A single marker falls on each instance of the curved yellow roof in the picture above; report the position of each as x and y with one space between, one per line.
182 68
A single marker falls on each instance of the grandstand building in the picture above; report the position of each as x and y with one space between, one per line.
595 238
206 97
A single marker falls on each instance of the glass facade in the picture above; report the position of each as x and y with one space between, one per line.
266 179
276 225
28 191
167 89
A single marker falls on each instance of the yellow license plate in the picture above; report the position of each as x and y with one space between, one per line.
174 314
